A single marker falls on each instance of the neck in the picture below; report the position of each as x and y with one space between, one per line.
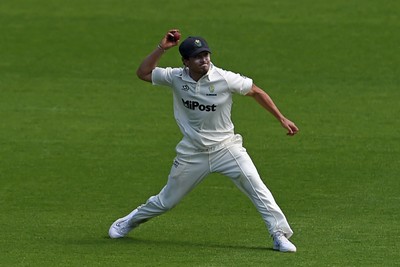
195 76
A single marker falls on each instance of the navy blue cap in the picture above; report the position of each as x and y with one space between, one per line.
193 46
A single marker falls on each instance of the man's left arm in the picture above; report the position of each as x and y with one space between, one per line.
266 102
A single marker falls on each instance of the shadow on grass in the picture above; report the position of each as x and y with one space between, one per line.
181 243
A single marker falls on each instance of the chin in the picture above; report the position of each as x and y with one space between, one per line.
205 69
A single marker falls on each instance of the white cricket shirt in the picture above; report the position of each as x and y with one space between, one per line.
202 109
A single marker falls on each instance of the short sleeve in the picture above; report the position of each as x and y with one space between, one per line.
162 76
238 83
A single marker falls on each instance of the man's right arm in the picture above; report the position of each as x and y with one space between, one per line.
151 61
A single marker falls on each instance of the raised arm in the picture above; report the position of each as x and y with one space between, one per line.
266 102
151 61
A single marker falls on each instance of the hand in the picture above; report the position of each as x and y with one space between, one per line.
290 126
166 42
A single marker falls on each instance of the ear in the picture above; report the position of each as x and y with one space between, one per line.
184 61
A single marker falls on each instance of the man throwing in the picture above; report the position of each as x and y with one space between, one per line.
202 96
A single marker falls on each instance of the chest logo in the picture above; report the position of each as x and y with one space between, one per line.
211 89
185 87
194 105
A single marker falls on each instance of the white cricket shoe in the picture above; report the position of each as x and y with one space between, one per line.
282 244
122 227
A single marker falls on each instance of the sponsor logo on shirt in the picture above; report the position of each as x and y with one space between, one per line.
194 105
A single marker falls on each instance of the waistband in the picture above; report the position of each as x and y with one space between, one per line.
186 147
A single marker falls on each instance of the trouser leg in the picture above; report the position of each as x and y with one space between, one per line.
186 172
235 163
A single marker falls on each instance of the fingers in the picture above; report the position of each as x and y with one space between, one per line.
290 126
292 129
170 39
172 31
290 132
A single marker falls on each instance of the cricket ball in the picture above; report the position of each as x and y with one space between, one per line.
176 36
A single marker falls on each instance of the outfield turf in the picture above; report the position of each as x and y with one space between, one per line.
83 141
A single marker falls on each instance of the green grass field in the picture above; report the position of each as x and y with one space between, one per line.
83 141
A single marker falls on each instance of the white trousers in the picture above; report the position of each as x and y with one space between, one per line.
191 166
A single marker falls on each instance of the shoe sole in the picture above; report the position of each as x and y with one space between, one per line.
284 250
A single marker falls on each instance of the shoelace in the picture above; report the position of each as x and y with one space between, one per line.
122 226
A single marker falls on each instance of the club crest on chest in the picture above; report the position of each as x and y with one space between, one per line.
212 90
